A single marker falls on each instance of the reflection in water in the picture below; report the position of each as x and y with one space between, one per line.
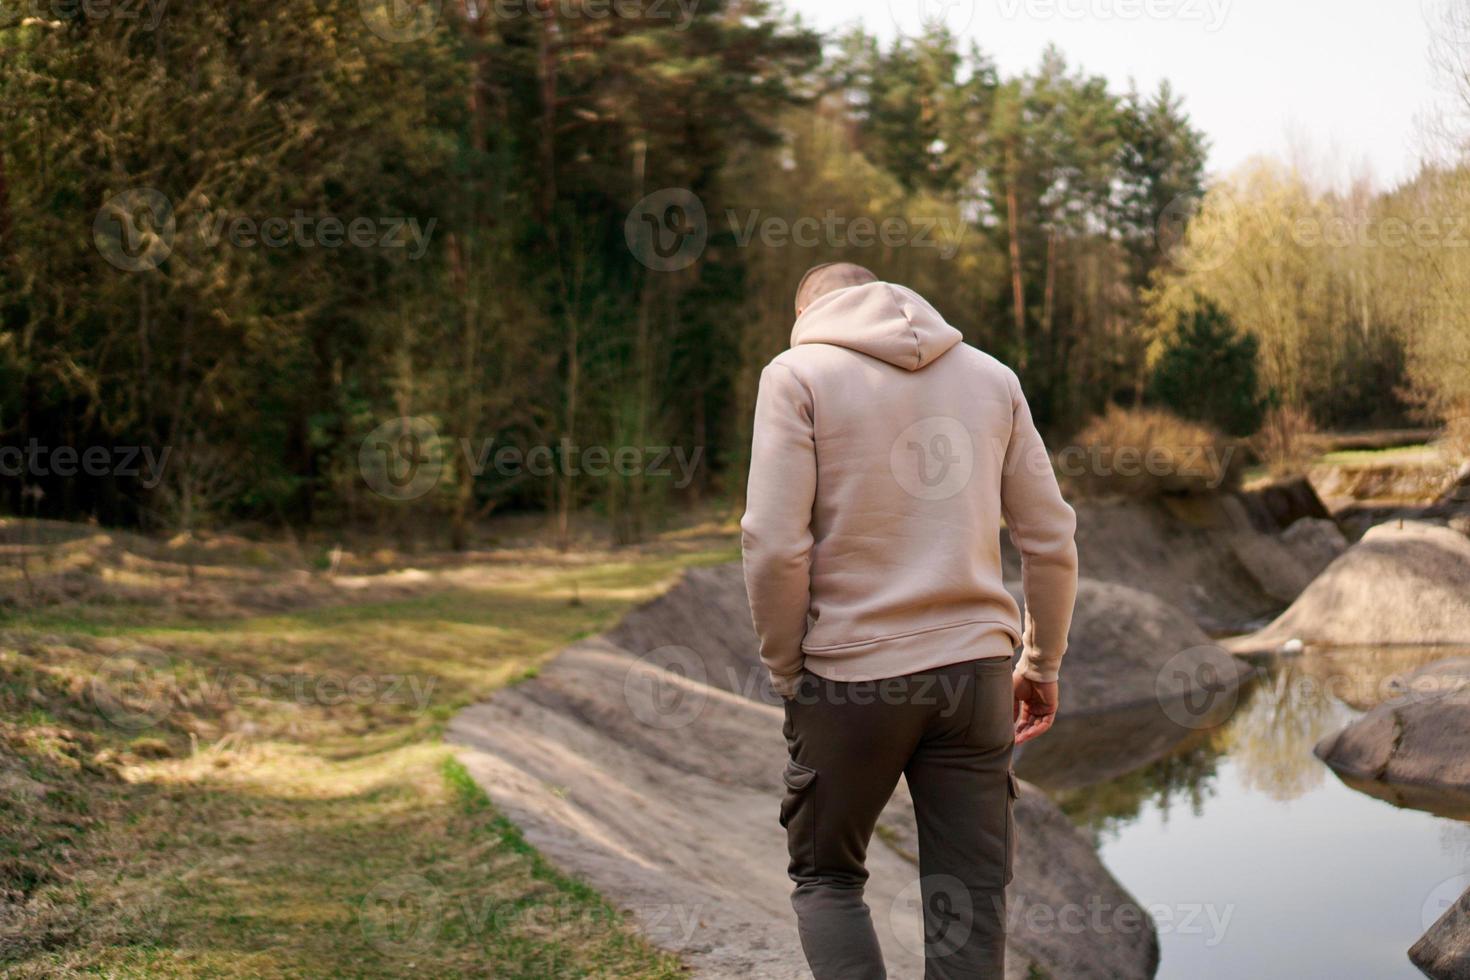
1101 768
1441 802
1272 735
1317 879
1183 779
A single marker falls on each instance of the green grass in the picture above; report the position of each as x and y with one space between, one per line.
244 829
1394 456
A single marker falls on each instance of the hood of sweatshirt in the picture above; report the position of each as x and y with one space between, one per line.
881 319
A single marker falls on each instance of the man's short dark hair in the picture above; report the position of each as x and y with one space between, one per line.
829 277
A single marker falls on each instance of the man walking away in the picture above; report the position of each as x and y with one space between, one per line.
886 454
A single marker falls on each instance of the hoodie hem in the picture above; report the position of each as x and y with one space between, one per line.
906 653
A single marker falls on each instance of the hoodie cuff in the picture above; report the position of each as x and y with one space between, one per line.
1029 669
785 684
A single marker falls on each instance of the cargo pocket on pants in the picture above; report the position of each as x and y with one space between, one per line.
798 814
1013 793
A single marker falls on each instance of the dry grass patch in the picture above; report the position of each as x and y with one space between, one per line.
267 794
1145 452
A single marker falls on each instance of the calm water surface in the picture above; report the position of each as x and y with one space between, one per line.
1268 865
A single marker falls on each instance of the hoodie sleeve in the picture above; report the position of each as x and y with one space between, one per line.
775 533
1043 528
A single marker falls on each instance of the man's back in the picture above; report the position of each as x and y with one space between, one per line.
886 455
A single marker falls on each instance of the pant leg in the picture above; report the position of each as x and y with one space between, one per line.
963 790
848 744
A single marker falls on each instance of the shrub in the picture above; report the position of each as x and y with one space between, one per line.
1285 443
1207 372
1456 439
1145 452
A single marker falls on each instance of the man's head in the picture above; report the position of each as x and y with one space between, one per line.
829 277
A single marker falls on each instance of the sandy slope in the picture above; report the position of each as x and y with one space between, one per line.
658 781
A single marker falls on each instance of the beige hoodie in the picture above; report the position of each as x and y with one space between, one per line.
885 455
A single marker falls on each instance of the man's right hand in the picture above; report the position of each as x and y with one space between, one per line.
1035 707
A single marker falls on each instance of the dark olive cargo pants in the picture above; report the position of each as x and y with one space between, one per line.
949 732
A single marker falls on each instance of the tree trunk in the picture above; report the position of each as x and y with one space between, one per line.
1013 222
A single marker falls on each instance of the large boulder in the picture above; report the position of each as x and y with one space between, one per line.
1277 505
1407 582
1443 953
1131 649
1457 487
651 767
1315 542
1421 737
1217 557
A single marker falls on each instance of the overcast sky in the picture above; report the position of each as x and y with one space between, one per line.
1347 76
